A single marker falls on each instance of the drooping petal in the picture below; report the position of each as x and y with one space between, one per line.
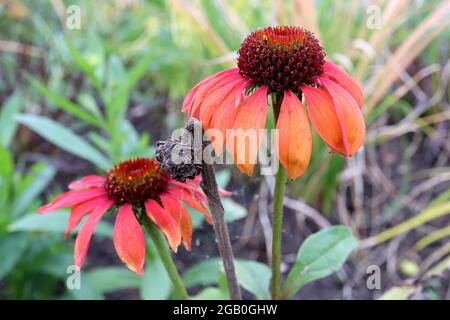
203 90
86 231
216 97
71 198
244 140
129 239
192 189
336 117
87 182
225 193
294 142
180 213
79 211
333 72
191 201
225 115
189 99
165 221
196 183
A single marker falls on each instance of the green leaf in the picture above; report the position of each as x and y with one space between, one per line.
204 273
398 293
112 278
12 247
65 104
320 255
212 293
39 183
88 65
6 164
8 113
54 222
89 104
64 138
155 284
233 210
223 177
254 277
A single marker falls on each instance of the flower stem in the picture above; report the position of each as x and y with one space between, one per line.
277 219
277 227
166 258
209 186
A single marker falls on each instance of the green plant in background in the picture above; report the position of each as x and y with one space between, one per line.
23 256
113 86
89 80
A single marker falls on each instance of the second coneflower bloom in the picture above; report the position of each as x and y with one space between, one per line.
286 63
137 189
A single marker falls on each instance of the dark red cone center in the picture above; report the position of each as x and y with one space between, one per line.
281 57
135 181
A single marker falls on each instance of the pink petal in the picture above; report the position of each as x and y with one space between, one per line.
180 213
86 231
87 182
71 198
129 239
79 211
165 221
197 193
190 200
225 193
333 72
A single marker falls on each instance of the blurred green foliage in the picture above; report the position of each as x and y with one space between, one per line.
77 88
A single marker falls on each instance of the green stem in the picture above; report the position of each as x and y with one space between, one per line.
164 253
277 220
277 227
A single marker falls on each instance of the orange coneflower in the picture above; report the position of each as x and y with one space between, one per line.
130 185
286 62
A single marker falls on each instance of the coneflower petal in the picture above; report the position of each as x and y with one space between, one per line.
333 72
191 188
86 231
216 97
225 114
335 116
165 221
202 92
244 140
71 198
129 239
191 201
87 182
79 211
188 100
180 213
294 142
